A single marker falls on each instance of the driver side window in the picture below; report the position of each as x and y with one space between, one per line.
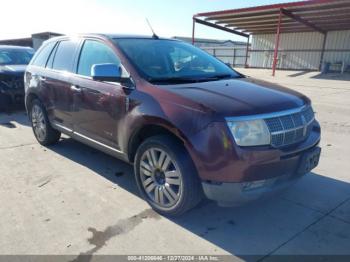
95 52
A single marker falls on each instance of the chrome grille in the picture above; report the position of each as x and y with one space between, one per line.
13 82
290 129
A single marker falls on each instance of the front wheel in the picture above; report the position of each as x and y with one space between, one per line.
166 176
42 129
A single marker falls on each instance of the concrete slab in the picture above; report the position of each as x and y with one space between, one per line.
342 212
71 193
327 237
8 122
318 192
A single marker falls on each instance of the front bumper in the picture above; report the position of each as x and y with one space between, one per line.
235 194
233 175
11 95
218 159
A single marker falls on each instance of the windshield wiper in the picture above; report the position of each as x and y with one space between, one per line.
181 80
222 76
172 80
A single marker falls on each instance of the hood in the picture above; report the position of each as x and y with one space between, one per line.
12 69
239 97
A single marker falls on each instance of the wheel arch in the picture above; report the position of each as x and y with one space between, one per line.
148 130
29 100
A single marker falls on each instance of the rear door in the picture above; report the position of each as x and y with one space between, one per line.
60 91
100 105
35 75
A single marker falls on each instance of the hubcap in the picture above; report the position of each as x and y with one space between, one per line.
160 177
38 122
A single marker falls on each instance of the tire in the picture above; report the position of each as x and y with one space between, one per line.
163 165
43 131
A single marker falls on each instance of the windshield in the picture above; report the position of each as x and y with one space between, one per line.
15 56
168 61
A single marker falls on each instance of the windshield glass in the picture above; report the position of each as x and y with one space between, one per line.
15 56
168 61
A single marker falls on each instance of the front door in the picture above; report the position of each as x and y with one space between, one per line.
99 105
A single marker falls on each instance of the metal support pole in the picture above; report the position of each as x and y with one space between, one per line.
246 53
322 52
234 57
277 42
193 28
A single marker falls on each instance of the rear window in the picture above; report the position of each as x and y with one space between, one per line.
50 61
41 58
64 57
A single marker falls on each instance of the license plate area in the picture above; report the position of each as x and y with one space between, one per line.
309 160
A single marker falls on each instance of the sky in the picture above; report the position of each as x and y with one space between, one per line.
167 17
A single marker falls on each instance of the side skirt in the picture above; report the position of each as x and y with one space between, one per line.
91 142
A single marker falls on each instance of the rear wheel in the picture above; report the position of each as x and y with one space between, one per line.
166 176
42 129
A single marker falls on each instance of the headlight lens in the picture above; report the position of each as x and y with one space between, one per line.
250 132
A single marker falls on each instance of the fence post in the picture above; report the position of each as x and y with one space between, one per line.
193 29
322 51
246 53
277 41
234 57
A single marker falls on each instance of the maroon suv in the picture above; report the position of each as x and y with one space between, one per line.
189 123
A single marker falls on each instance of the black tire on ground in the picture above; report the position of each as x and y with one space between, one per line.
191 189
51 136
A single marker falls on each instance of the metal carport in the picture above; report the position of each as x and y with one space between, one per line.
321 16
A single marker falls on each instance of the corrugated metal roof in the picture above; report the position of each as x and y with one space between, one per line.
303 16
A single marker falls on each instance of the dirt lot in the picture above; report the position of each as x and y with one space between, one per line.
71 199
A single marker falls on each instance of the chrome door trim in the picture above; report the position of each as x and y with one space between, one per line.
63 127
69 131
97 142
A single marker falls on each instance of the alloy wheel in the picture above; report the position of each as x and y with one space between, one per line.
160 177
38 122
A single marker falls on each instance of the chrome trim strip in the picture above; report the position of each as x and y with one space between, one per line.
98 143
87 138
267 115
63 127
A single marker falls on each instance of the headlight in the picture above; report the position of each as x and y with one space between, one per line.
250 132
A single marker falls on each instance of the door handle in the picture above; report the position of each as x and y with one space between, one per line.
75 88
92 91
42 78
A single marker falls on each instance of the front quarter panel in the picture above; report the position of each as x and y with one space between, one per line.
154 106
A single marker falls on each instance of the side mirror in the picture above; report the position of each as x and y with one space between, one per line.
109 73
